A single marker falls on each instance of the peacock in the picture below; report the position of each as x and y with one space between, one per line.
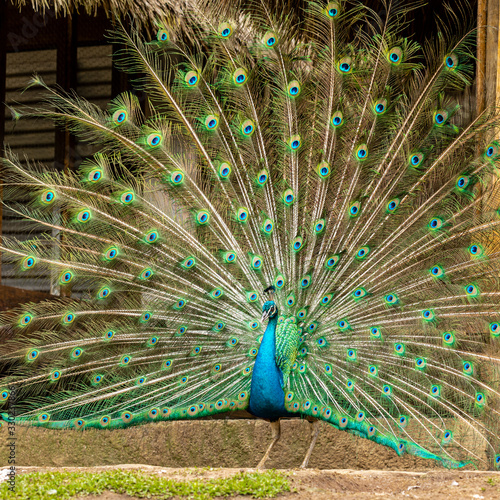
299 221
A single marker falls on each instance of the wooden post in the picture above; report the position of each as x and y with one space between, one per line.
3 84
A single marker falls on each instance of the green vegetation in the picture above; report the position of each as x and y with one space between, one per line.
66 485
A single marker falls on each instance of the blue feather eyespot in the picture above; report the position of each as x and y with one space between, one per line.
321 343
403 421
302 313
373 370
176 178
371 431
103 293
127 198
288 197
225 30
111 253
391 298
151 236
224 170
387 390
399 348
362 252
375 332
440 117
253 352
451 61
153 413
162 35
216 293
343 422
180 304
380 106
26 319
54 376
217 368
154 140
328 369
247 128
140 381
44 417
109 335
350 385
229 257
332 261
420 363
480 399
362 152
48 196
127 416
332 9
468 368
449 339
242 215
269 39
401 448
290 300
202 217
302 367
254 325
240 76
392 205
416 160
97 379
166 364
294 142
252 296
196 350
83 216
246 371
351 354
319 226
323 169
68 318
345 65
435 224
312 327
191 78
305 281
152 341
355 209
146 274
76 353
326 299
120 116
293 88
495 329
428 315
297 244
79 423
472 290
145 317
181 331
256 262
219 326
491 151
343 324
395 56
183 380
211 122
497 461
337 119
447 437
262 178
267 227
437 272
94 175
476 250
462 182
359 293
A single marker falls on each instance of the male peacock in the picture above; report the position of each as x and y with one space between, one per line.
322 170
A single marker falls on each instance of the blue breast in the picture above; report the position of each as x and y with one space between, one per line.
267 398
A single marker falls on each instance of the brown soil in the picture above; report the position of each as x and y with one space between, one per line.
315 484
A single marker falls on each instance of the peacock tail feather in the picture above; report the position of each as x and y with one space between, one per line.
328 159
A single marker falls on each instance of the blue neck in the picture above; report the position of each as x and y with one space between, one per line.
267 398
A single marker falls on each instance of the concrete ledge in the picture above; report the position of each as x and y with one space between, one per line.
203 443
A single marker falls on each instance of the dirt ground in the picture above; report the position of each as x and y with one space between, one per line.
315 484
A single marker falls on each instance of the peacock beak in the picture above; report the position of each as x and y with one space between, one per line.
265 315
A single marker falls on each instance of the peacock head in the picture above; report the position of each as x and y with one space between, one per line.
269 310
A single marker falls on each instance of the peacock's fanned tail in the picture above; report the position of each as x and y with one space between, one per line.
328 159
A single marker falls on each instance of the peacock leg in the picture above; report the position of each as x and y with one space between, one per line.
314 437
276 430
